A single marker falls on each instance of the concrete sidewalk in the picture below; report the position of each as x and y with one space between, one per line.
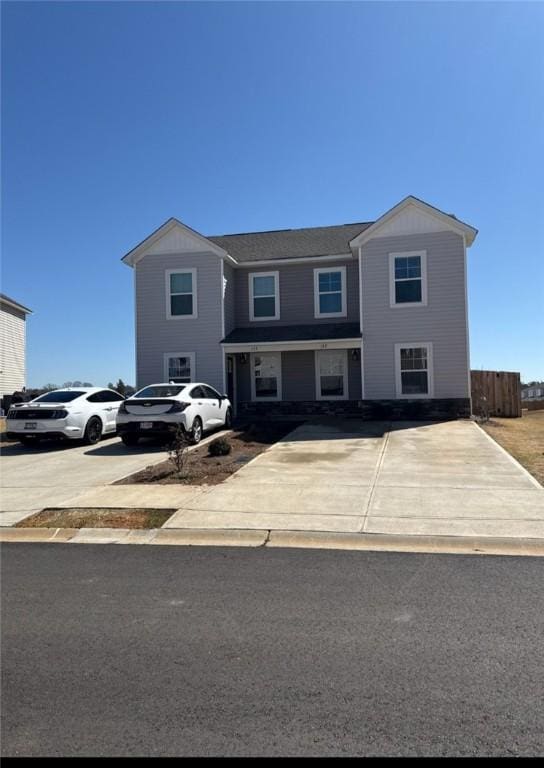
344 478
60 474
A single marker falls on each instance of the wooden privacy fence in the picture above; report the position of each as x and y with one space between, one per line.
533 405
496 393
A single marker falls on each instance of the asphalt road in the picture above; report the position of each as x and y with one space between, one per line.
127 650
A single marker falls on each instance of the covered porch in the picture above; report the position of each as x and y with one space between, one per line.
281 371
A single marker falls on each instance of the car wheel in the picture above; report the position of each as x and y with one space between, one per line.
196 431
228 418
93 431
130 439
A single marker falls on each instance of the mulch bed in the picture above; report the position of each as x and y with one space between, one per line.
203 469
107 517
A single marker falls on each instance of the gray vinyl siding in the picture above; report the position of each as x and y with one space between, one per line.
297 294
442 321
229 298
243 380
298 375
354 378
156 334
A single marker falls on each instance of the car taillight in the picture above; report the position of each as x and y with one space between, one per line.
177 407
59 414
11 413
123 408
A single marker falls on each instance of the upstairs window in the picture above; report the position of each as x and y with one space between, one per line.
181 293
330 292
408 278
264 296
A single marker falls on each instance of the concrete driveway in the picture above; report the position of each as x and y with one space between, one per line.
445 478
54 473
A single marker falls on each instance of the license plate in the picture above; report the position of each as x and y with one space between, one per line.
31 424
146 425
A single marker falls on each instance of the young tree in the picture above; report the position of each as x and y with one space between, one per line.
177 450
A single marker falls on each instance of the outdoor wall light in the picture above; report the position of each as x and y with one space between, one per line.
243 358
355 354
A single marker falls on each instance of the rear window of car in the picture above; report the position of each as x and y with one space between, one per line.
162 391
59 397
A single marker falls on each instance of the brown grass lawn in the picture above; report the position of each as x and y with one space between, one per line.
97 518
523 438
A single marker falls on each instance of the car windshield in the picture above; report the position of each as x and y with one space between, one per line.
59 397
162 391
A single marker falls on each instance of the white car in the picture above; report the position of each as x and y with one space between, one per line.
78 413
157 410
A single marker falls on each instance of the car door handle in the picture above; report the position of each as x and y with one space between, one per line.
108 409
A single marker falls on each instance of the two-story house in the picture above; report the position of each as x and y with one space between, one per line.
367 318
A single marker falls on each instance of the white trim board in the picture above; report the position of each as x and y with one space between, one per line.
293 346
295 260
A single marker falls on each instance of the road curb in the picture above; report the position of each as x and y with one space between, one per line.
209 537
372 542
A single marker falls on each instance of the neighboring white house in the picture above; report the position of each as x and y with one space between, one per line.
12 345
535 392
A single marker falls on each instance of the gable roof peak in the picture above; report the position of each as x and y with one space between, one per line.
448 220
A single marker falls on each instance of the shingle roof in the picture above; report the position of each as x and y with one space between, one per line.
290 243
314 332
15 304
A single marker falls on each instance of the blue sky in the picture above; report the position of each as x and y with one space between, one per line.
247 116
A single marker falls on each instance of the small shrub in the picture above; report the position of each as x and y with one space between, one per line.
177 450
219 447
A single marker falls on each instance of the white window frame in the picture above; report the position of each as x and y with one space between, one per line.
186 271
276 315
320 270
398 379
392 281
254 397
318 354
166 366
